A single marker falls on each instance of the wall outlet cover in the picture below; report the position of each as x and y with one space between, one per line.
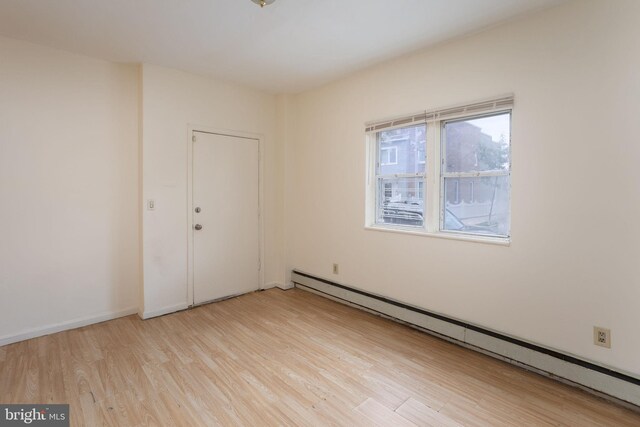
602 337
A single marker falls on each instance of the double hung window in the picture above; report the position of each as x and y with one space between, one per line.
444 172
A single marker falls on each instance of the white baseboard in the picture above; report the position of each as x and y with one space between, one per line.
623 387
165 310
278 285
65 326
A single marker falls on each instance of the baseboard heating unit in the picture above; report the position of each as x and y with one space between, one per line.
607 382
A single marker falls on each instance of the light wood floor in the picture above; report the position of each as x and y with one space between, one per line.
283 358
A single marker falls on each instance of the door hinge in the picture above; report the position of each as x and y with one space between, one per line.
193 138
259 265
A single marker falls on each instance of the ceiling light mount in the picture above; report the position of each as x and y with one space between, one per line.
263 3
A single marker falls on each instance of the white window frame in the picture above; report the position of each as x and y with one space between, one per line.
422 160
433 178
388 151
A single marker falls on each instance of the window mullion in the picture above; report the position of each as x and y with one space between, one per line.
433 172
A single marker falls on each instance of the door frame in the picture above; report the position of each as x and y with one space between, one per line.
190 256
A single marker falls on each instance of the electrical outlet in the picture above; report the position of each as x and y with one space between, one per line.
602 337
151 204
335 269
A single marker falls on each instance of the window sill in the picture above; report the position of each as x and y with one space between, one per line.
500 241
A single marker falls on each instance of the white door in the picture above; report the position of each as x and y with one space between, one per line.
225 213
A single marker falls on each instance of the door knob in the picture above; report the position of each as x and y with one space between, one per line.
198 227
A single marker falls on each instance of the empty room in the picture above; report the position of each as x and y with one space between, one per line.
315 213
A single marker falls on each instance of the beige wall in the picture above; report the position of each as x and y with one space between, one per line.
171 101
573 262
68 189
73 163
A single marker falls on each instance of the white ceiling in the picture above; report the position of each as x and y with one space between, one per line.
289 46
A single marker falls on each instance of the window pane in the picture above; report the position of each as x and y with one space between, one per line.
477 205
388 155
480 144
400 201
402 150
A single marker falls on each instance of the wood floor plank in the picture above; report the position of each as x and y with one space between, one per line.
283 358
381 415
424 416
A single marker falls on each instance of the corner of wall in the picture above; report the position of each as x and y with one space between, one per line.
141 304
